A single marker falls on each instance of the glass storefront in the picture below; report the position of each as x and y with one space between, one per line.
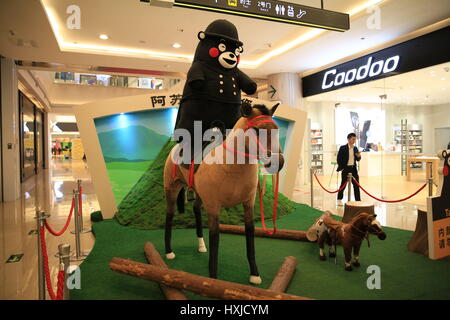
31 138
401 123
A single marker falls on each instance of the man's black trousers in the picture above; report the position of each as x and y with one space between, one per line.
354 172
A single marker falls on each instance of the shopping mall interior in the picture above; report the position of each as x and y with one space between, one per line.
91 92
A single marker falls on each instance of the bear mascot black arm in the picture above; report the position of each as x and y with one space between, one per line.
245 83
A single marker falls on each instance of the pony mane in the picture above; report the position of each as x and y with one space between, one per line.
360 216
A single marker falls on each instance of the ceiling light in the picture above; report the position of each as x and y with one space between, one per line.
176 45
103 36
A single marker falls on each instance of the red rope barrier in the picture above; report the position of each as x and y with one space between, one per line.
339 190
61 278
390 201
48 280
57 234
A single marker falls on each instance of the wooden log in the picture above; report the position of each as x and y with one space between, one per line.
259 232
353 208
201 285
419 240
155 259
284 275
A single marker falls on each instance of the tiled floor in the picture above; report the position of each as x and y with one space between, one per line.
51 191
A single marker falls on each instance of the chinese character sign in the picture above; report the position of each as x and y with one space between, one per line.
438 214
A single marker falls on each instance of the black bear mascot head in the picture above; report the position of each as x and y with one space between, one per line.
219 45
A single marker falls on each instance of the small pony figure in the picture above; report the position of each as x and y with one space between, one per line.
349 235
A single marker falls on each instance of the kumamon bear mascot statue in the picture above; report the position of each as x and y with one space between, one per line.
212 93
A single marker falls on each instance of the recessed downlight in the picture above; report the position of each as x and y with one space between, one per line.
103 36
176 45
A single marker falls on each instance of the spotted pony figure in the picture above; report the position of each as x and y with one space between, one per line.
349 235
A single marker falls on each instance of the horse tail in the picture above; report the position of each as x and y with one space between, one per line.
181 200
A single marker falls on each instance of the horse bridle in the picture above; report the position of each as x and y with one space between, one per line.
367 233
251 124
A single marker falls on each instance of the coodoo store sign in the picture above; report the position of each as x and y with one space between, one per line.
421 52
368 70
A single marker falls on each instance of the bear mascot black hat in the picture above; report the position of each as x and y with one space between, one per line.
212 93
221 29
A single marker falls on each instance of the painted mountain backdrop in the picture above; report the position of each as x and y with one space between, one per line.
132 143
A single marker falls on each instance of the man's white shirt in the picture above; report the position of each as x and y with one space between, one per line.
351 156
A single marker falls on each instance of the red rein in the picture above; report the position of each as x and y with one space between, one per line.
250 124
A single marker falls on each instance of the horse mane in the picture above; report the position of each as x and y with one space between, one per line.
263 109
359 217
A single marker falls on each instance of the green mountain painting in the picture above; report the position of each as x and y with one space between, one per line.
133 143
130 142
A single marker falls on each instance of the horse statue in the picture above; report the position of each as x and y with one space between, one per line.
349 235
224 184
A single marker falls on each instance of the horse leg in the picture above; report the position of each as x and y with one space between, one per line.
321 241
171 198
332 251
250 242
348 257
198 223
356 254
213 224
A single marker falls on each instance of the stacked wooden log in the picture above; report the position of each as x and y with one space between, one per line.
172 282
259 232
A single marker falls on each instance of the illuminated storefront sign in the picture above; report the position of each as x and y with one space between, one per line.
368 70
276 11
418 53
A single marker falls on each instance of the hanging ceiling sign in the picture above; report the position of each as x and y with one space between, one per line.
276 11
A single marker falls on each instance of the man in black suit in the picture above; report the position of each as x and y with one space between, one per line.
347 157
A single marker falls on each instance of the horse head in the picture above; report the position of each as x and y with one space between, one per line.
258 121
367 223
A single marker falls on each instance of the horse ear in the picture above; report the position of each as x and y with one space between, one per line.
246 110
274 108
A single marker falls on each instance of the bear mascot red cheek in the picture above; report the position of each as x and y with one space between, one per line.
214 52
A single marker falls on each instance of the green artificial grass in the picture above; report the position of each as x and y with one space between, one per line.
144 206
124 175
404 275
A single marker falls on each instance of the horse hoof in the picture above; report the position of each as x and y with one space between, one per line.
170 255
201 245
323 258
255 280
356 264
349 268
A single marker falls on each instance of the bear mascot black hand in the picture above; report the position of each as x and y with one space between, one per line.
213 86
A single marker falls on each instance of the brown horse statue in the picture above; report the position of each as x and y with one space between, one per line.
349 235
225 184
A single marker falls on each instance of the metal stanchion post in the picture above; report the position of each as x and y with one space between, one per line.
349 186
40 218
430 179
64 258
79 255
82 229
311 171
